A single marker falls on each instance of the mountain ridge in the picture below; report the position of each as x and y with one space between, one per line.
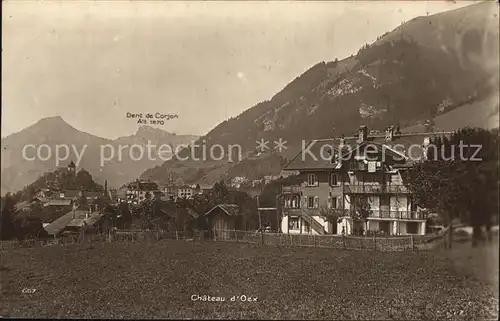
18 172
405 77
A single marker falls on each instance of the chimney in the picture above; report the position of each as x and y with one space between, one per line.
341 142
362 133
389 133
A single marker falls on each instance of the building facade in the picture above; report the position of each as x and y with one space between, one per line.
345 176
138 191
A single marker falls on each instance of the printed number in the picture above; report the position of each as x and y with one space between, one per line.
28 290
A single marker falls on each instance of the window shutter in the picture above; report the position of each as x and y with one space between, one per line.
330 202
306 203
316 202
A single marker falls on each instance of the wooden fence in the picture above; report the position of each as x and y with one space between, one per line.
369 243
346 242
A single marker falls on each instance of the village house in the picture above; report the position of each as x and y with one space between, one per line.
237 181
223 219
341 172
185 191
170 192
269 178
205 188
138 191
73 221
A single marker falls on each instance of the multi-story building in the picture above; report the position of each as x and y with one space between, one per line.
171 192
186 191
339 174
137 191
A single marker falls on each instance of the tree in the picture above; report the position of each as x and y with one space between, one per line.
331 215
7 225
458 180
125 219
219 193
362 211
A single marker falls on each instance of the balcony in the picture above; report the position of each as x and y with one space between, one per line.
291 189
376 189
402 215
300 211
397 215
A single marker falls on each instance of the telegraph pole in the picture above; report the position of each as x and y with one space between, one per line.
258 211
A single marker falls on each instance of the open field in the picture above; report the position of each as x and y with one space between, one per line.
141 280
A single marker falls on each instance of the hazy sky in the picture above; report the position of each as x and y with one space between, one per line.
92 62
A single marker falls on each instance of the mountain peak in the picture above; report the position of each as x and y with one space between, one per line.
56 120
145 129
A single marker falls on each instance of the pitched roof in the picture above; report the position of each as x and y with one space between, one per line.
90 221
77 222
59 224
70 193
317 153
192 213
58 202
229 209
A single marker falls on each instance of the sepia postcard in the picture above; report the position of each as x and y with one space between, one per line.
315 160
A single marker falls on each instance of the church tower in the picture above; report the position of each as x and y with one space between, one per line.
72 167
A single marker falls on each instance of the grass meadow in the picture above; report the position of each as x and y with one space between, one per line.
158 280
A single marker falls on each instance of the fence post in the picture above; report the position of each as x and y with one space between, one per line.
343 240
412 243
236 235
314 240
176 234
374 243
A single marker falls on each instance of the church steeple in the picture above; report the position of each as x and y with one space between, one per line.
72 167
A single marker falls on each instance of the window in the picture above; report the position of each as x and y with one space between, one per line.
333 180
293 223
312 180
333 202
312 201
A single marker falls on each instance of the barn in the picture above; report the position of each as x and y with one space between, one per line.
223 219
